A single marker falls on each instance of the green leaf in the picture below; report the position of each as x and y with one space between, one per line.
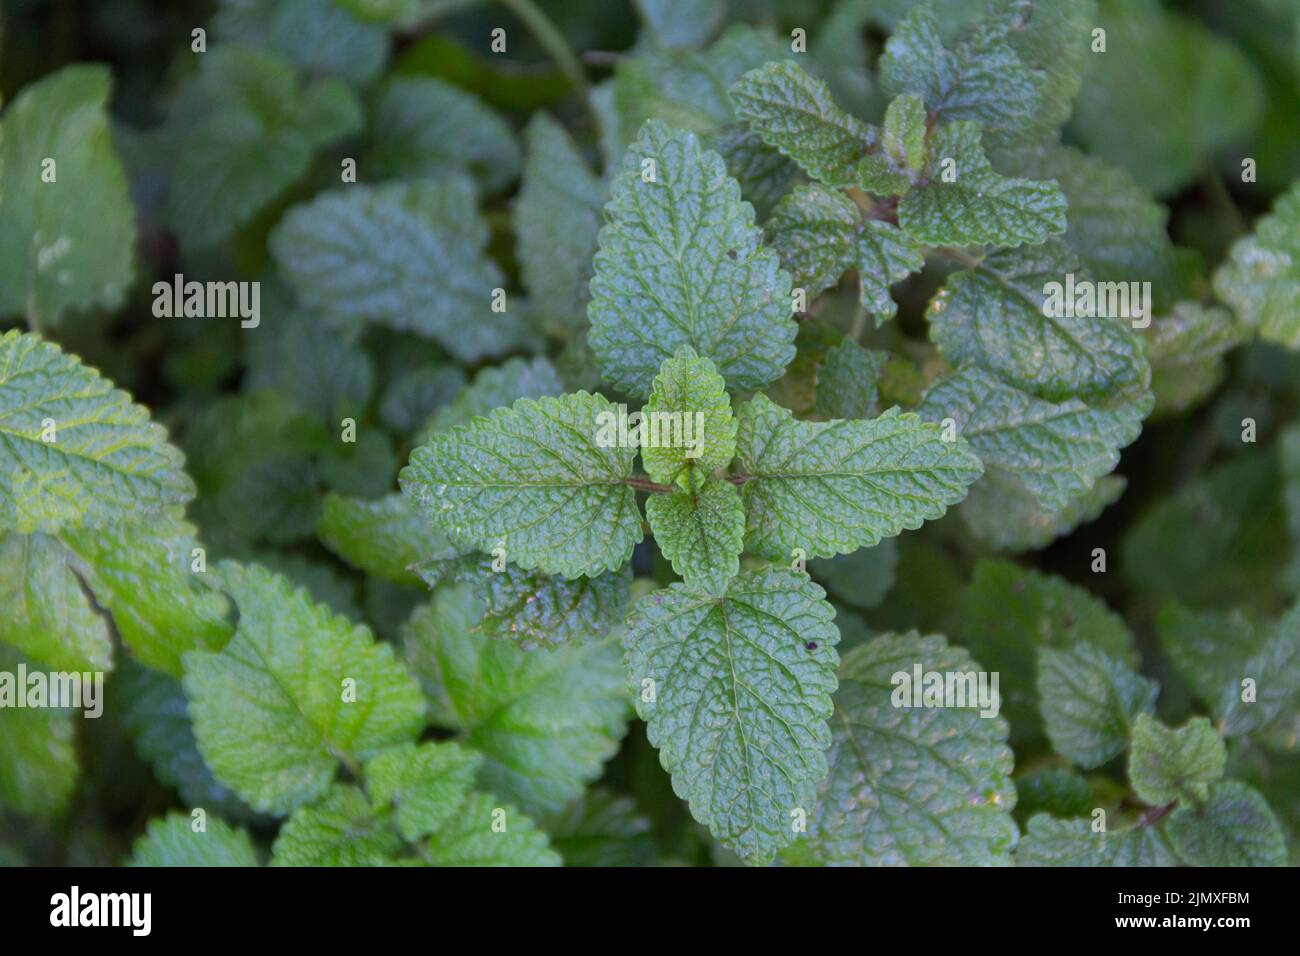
1001 512
684 23
862 578
1056 451
1054 790
544 722
495 386
142 574
1186 351
687 429
990 314
795 112
383 537
1261 279
1052 39
739 697
424 783
682 263
534 610
601 829
1165 765
172 841
1273 715
902 156
38 753
1052 842
47 616
424 127
246 128
814 229
701 532
883 255
1235 827
911 786
1010 613
74 451
847 381
536 479
1154 57
67 243
832 487
1089 701
557 219
341 829
320 36
329 376
406 255
982 79
1209 650
484 832
272 713
978 207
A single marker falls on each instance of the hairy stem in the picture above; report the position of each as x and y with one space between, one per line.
643 483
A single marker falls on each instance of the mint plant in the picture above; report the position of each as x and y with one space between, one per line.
855 435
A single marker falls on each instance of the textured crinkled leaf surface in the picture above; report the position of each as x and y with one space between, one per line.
409 255
271 711
474 837
74 450
1165 764
424 783
172 841
1056 450
701 532
1049 841
741 699
911 786
341 829
1186 350
1089 701
687 400
1235 827
832 487
978 207
545 721
795 112
534 479
993 316
1261 279
682 263
497 385
66 243
1002 512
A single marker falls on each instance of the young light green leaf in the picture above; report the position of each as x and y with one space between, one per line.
902 155
701 532
544 722
172 841
1186 350
1165 765
1057 451
424 783
1235 827
1009 613
831 487
341 829
1261 279
47 615
69 226
536 478
847 382
383 537
1052 842
246 128
909 786
295 689
557 219
965 203
687 429
74 451
795 112
682 263
743 682
989 316
424 127
1089 701
407 255
486 832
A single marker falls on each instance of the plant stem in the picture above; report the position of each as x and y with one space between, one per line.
645 484
557 47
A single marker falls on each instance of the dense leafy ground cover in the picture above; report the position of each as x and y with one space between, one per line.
966 333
